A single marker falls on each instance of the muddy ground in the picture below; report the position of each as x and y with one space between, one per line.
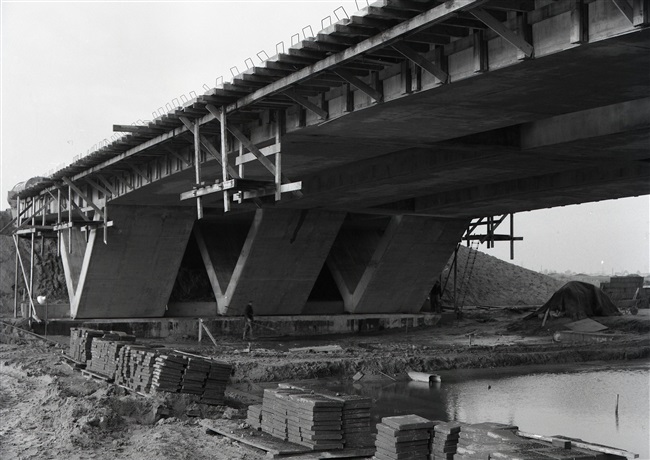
50 411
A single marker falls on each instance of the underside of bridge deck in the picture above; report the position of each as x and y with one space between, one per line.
422 114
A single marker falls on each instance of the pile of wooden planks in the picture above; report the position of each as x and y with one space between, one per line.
444 440
105 353
81 339
179 373
135 367
403 437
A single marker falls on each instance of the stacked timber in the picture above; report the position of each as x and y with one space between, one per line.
168 372
136 366
216 379
105 353
254 416
81 342
177 373
403 437
444 440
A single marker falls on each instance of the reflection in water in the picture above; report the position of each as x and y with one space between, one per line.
575 404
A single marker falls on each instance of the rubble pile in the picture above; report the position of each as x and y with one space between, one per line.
403 437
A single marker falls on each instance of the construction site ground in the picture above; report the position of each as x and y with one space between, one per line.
48 410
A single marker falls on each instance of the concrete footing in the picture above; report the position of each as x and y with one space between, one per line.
267 326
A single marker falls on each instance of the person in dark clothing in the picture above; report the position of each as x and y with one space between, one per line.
249 318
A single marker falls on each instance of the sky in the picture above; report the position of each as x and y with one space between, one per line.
70 70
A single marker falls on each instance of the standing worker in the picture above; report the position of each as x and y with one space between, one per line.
249 318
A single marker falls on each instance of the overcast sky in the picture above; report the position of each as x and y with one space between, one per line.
70 70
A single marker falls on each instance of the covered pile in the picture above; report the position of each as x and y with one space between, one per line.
578 300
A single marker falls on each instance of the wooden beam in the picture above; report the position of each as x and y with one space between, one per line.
419 60
208 189
108 185
129 128
178 156
293 187
360 85
83 195
501 30
224 158
625 8
306 104
140 172
96 186
266 151
422 21
244 140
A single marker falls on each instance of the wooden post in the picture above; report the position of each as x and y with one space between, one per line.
278 163
69 220
19 218
200 330
16 285
512 236
31 256
58 221
224 158
455 277
105 222
197 167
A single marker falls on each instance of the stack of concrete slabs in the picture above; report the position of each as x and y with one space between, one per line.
406 437
314 421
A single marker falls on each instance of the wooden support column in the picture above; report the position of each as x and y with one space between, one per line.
16 281
278 162
22 268
58 221
197 167
31 257
224 158
69 220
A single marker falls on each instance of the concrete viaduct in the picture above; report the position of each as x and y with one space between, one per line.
359 155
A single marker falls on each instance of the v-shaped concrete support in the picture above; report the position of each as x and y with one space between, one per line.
134 274
393 269
273 259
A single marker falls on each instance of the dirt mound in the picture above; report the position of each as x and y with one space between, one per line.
579 300
485 280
